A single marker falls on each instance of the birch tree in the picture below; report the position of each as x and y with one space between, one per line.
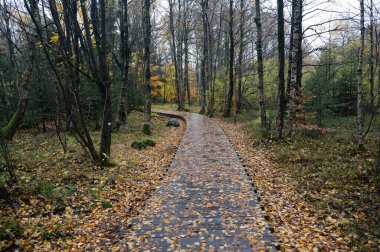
295 64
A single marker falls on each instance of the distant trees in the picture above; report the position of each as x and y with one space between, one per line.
104 60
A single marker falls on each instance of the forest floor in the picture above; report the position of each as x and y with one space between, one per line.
63 202
320 191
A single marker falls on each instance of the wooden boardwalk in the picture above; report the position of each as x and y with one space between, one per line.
207 202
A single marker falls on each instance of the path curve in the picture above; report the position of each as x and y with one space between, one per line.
207 201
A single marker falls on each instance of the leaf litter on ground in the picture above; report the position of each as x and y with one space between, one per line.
70 205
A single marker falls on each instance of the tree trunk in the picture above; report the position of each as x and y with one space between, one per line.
240 59
186 48
125 52
180 36
359 120
104 83
204 61
147 73
260 69
227 109
295 65
281 102
174 52
210 72
8 131
290 56
371 60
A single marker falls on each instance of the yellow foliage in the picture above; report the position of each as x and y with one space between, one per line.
54 38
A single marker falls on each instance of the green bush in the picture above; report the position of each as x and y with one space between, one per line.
142 144
172 123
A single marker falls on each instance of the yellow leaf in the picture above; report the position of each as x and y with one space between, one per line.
54 38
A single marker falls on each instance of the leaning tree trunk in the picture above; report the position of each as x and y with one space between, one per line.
260 68
147 73
359 103
8 131
281 102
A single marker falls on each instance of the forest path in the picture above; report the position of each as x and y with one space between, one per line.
206 202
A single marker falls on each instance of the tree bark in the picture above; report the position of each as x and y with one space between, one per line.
180 37
227 111
186 48
359 102
147 73
290 56
240 59
260 68
103 80
295 63
125 52
210 72
174 54
371 59
281 102
205 59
